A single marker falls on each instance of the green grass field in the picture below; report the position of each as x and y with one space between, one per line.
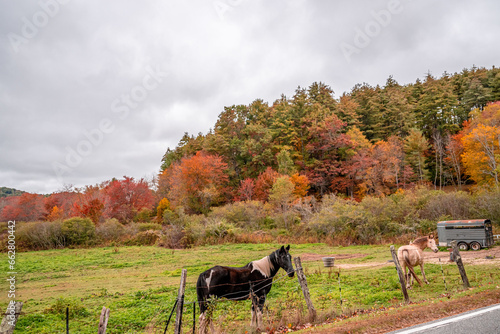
139 285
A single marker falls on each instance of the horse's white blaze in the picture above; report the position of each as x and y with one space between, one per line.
263 265
209 278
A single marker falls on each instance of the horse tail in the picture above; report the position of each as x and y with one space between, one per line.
202 292
405 254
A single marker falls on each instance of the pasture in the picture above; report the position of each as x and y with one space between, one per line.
139 285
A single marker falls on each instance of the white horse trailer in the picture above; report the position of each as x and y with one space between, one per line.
473 234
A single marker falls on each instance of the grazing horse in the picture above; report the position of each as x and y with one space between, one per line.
411 256
251 281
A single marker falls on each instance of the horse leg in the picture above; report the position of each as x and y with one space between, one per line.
423 273
260 311
406 275
253 323
203 323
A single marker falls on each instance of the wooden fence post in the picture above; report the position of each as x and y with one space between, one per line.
180 303
305 290
460 264
103 320
10 317
401 275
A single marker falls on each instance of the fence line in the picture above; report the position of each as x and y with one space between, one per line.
277 279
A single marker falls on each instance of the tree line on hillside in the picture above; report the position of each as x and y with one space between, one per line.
6 192
370 141
120 199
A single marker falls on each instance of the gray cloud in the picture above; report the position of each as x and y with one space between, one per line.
77 75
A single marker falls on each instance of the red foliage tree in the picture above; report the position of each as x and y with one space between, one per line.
90 203
246 191
326 141
124 198
27 207
64 201
264 184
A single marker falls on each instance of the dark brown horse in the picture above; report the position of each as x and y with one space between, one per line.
251 281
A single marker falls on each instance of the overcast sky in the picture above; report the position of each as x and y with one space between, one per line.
91 90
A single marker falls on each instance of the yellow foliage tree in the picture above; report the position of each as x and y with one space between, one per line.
481 155
162 206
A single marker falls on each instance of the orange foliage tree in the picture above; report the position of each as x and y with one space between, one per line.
301 185
481 155
481 145
196 182
264 184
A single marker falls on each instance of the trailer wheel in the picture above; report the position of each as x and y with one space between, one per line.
475 245
463 246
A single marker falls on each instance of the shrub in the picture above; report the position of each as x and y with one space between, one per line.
248 214
336 217
170 217
175 237
144 215
145 238
486 206
149 226
455 205
78 231
40 235
110 230
218 230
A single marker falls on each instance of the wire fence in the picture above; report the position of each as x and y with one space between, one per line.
337 292
348 300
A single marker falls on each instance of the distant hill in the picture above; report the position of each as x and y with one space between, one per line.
6 192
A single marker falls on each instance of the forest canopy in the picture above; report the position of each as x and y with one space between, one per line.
369 141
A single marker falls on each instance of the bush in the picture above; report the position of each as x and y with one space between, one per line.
110 230
149 226
336 217
78 231
248 214
218 230
486 206
145 238
175 237
143 216
40 235
455 205
170 217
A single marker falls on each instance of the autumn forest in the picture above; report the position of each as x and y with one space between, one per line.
270 166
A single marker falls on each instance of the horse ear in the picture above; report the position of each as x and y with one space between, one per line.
288 247
282 249
431 236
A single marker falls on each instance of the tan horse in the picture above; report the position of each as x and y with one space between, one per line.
412 255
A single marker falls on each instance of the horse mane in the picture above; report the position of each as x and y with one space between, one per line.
263 265
420 240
